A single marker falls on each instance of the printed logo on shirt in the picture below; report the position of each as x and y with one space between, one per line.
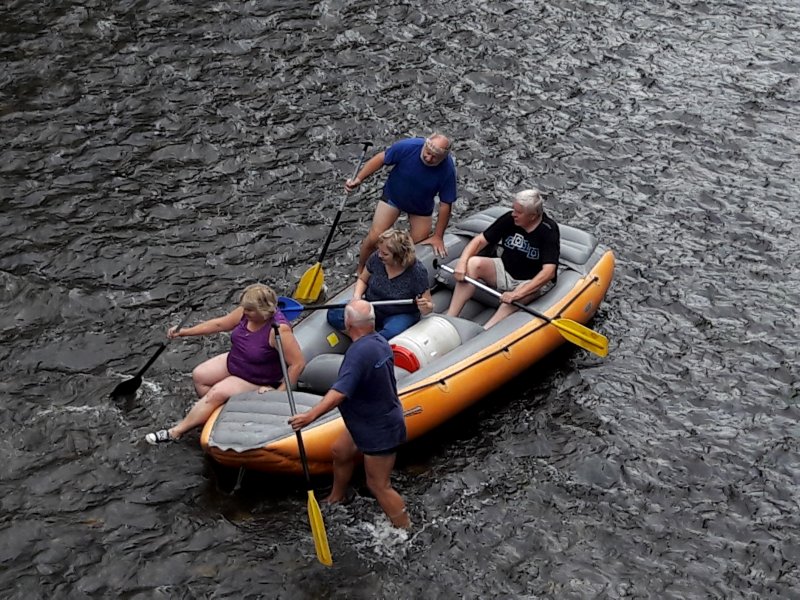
380 363
518 242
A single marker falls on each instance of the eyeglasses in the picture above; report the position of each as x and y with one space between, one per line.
434 149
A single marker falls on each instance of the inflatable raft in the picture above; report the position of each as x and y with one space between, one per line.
443 364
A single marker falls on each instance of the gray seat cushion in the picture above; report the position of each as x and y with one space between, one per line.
252 420
320 373
576 245
323 370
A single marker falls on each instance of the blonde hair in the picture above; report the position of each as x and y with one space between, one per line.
400 246
260 298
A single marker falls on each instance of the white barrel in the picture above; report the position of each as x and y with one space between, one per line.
421 343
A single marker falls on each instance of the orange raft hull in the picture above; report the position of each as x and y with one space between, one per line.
442 395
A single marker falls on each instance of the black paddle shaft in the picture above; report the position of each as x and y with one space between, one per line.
288 384
162 347
341 204
129 386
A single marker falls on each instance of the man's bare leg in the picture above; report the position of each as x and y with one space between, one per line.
344 454
378 470
478 267
505 310
384 217
420 227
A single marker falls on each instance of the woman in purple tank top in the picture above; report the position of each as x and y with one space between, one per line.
251 364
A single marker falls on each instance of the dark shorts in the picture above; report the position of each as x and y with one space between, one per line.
273 385
393 204
388 452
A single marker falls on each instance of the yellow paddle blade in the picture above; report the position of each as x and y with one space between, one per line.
310 286
582 336
318 531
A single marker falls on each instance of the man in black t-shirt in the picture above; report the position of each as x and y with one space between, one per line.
530 244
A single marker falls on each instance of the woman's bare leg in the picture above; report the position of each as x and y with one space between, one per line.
210 372
216 396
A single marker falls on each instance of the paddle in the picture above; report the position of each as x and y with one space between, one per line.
314 513
291 308
571 330
129 386
310 285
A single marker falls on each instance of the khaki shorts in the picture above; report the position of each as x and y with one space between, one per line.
506 283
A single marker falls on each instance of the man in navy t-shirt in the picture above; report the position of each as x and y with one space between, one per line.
531 245
422 169
366 394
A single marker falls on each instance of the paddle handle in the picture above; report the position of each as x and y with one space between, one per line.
291 309
375 303
314 514
341 204
292 407
161 347
494 292
183 321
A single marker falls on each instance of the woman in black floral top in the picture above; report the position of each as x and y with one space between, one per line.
392 273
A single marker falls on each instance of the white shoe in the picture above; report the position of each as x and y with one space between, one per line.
158 437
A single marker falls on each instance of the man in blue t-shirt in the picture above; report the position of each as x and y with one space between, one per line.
531 245
366 394
422 169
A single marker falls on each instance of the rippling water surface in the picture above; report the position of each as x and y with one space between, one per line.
158 155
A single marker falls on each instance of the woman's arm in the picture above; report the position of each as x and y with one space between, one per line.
361 285
425 302
295 361
226 323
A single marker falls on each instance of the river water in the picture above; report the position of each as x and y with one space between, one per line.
160 155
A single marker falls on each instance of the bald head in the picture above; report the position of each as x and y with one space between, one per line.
435 150
441 141
359 315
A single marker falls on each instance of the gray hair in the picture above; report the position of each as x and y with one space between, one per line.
355 313
440 136
530 201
